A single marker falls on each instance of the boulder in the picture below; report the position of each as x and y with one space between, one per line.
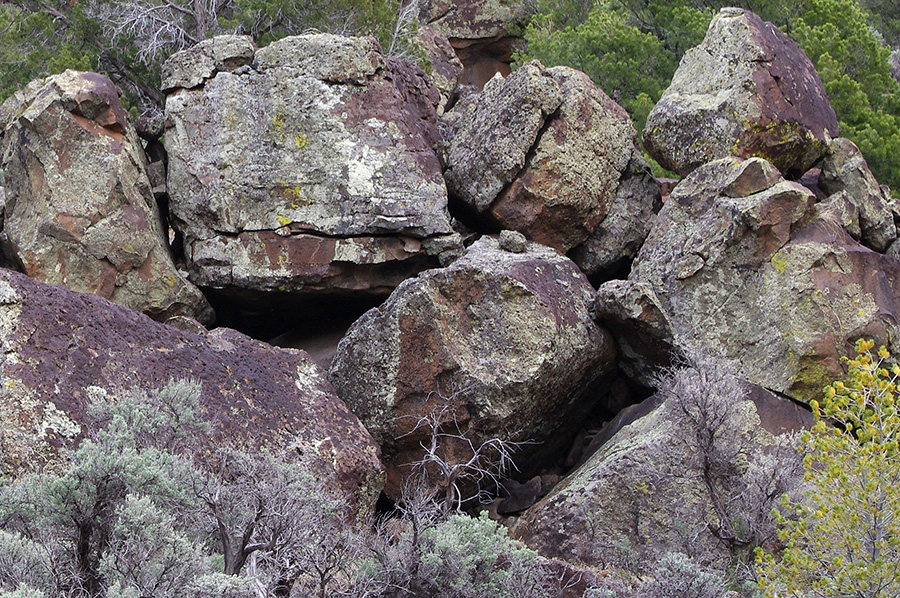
310 169
479 32
642 494
446 69
60 346
633 313
500 343
747 90
853 190
80 211
545 152
740 263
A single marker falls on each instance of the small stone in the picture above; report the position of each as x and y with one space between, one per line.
513 241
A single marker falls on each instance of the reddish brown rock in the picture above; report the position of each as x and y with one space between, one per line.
747 267
479 31
446 69
79 208
852 189
747 90
546 153
503 340
60 346
314 170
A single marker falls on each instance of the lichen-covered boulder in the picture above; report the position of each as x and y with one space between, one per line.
747 90
79 207
60 346
848 182
744 265
547 153
312 168
503 340
642 494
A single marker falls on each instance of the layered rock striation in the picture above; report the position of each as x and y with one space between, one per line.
305 166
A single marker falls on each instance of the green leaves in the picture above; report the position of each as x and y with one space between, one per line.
843 537
631 48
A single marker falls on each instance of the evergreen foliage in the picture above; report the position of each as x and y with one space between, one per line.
843 537
130 39
631 48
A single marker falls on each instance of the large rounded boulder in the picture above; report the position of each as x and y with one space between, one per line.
500 343
695 469
747 90
79 207
305 166
61 347
547 153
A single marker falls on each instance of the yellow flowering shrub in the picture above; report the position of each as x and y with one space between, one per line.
842 538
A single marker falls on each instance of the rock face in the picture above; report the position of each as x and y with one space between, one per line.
742 264
311 169
642 493
446 69
747 90
79 207
60 346
545 152
504 340
478 30
853 191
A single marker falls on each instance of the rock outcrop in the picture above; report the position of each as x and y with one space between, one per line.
744 265
866 209
642 493
305 166
79 206
545 152
500 342
479 31
60 346
747 90
446 68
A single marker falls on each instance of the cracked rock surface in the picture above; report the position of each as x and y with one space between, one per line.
79 208
743 265
747 90
547 153
307 165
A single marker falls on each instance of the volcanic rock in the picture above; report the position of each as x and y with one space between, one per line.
747 90
79 207
500 344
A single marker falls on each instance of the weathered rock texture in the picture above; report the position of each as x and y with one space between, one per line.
60 346
446 69
79 207
503 339
867 209
545 152
642 493
741 263
311 169
747 90
479 31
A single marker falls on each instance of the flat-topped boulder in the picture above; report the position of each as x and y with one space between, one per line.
60 346
309 166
